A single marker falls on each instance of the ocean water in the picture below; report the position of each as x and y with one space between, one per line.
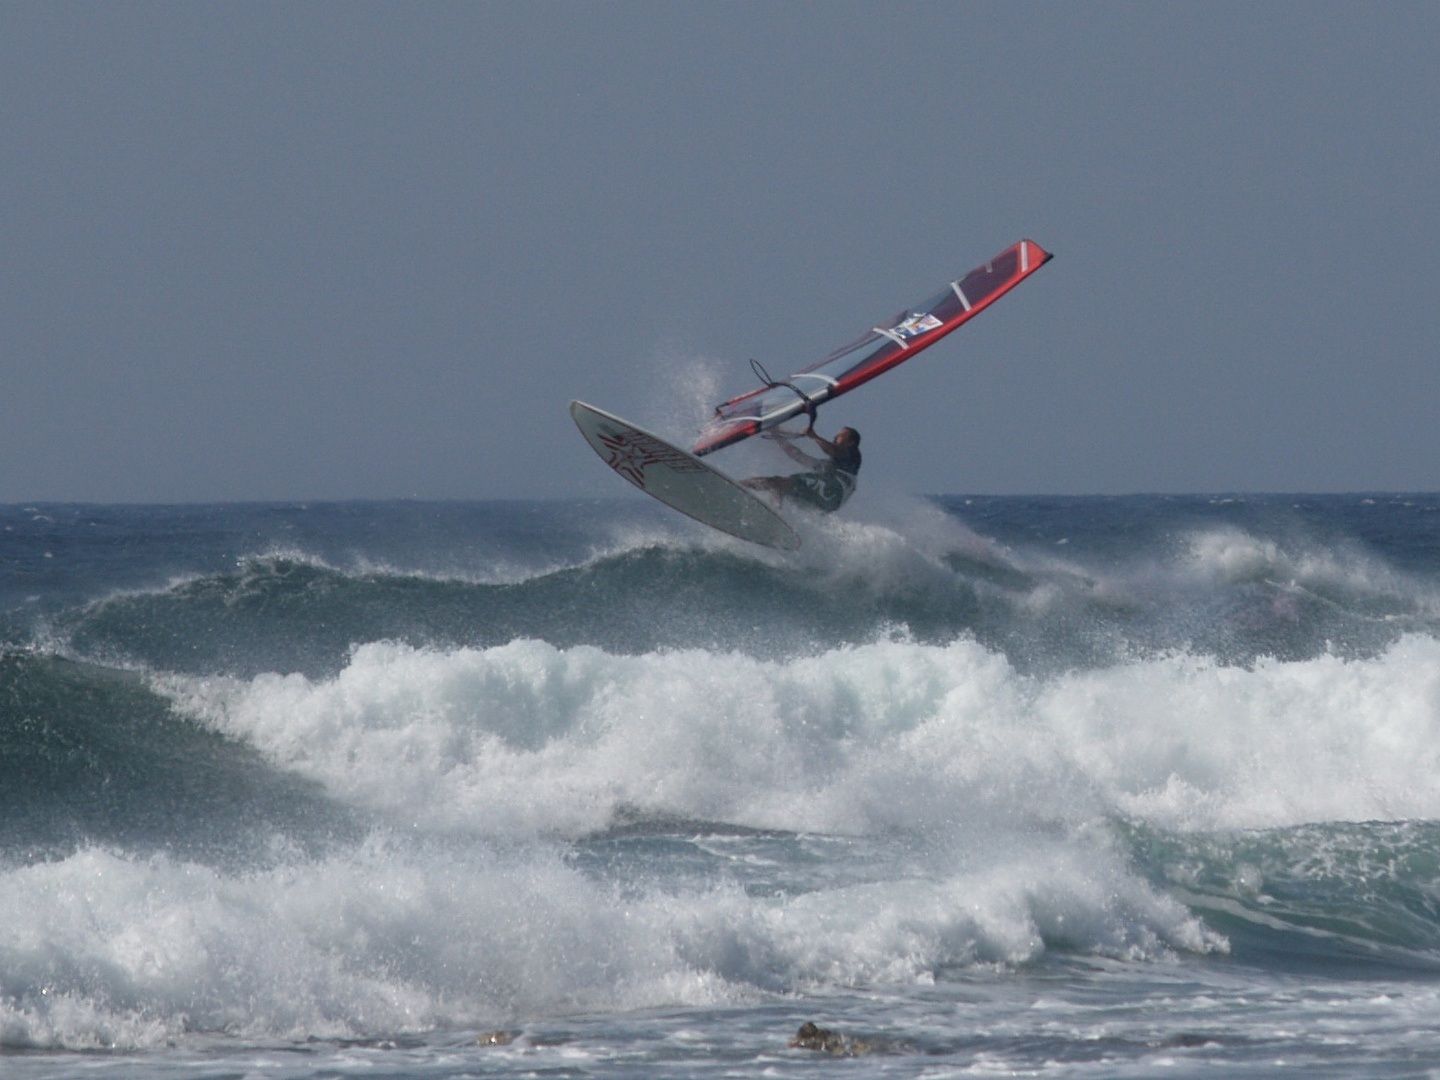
1100 787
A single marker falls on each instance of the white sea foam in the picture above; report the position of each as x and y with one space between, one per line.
103 950
1232 555
1188 742
528 738
985 787
979 792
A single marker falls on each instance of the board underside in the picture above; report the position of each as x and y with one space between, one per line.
681 480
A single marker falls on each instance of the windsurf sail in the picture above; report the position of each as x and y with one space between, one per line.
876 352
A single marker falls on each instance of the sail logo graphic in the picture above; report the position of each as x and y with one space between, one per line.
916 325
632 452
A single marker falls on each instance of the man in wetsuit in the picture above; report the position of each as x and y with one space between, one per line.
830 481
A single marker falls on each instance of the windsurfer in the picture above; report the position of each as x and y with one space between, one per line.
829 481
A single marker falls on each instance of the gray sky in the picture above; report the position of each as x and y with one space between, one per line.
328 250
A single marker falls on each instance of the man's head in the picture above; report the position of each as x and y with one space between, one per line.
847 436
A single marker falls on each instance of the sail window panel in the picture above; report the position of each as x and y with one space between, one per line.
944 306
870 351
780 397
761 405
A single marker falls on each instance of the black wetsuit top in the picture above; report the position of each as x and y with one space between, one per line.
832 483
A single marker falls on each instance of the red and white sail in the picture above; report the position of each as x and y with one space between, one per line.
877 351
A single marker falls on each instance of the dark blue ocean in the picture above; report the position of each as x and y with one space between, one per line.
1096 787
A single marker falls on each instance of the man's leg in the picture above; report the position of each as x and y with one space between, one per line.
779 486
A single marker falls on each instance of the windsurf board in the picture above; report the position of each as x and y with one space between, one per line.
681 480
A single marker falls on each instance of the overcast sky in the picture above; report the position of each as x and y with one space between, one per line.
325 250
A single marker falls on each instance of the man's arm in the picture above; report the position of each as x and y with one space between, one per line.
799 455
787 443
831 450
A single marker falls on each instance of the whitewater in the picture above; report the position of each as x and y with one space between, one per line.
978 785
